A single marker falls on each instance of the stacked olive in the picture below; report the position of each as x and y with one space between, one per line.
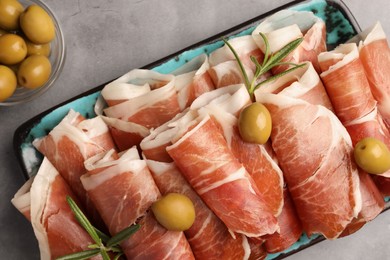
25 36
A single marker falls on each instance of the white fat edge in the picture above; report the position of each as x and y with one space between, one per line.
158 168
125 126
279 100
91 181
348 52
231 65
93 127
241 45
279 38
207 97
276 167
273 86
122 90
100 105
369 35
198 64
77 136
22 198
99 160
371 116
166 132
128 108
179 138
30 157
246 247
40 190
304 20
130 154
237 175
183 82
71 117
135 77
305 83
225 119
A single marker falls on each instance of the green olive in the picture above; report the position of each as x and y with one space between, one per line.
34 71
174 211
10 11
372 155
13 49
7 82
255 123
37 25
38 49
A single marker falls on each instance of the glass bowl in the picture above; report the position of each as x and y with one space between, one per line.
57 58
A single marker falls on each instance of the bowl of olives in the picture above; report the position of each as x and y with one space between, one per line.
32 50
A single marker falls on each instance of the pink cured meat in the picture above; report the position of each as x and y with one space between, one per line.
55 227
318 170
123 191
375 56
192 80
151 98
288 25
208 236
290 227
221 181
69 144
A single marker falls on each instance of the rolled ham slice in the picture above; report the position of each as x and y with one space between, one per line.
375 56
204 158
321 177
287 25
123 190
149 109
349 91
43 201
208 236
192 80
69 144
228 73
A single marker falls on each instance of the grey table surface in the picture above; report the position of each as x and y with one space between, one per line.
105 39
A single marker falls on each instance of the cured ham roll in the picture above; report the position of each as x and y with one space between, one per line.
123 190
208 236
192 80
375 56
287 25
204 158
224 105
43 201
319 171
151 98
303 83
69 144
349 91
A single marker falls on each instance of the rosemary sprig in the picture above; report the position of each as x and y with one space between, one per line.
270 61
103 243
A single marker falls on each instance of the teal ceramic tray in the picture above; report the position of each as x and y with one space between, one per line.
341 26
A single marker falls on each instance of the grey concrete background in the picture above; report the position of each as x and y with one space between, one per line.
105 39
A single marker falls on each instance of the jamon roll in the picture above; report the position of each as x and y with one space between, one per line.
204 158
69 144
43 201
375 56
287 25
349 91
123 190
318 170
208 236
143 97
